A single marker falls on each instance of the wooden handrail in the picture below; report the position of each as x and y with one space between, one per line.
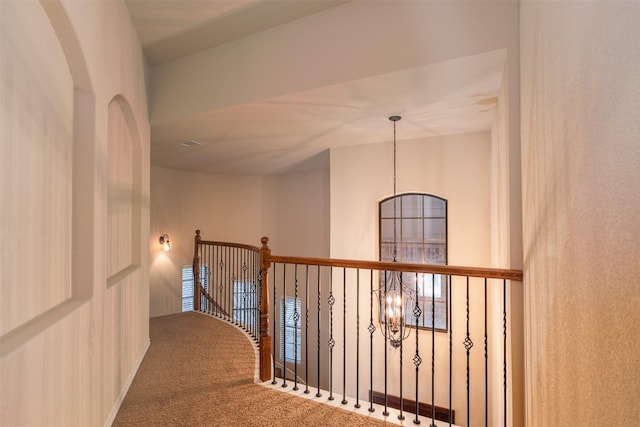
228 244
489 273
267 259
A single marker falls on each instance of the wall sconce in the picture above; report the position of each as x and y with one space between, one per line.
164 241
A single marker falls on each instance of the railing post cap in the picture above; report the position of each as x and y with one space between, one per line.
265 242
198 232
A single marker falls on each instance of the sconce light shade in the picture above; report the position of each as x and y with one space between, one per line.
164 241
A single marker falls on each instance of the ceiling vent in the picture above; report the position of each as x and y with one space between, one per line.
189 144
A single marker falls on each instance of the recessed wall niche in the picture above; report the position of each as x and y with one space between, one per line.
47 168
124 190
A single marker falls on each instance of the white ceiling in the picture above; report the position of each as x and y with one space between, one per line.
273 136
170 29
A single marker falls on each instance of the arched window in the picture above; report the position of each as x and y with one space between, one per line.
420 236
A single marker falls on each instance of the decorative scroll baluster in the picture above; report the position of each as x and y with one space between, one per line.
251 316
230 279
486 360
357 405
245 292
203 278
331 300
240 292
504 346
306 331
237 292
402 316
217 290
233 267
225 280
344 336
386 395
246 296
283 325
372 329
433 350
318 394
208 298
417 360
221 266
235 279
296 317
257 290
225 288
468 344
274 322
233 270
450 294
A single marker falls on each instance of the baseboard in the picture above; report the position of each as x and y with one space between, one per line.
125 388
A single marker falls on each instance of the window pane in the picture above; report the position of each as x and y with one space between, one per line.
420 237
412 205
411 253
411 230
386 252
434 207
435 230
435 254
431 286
386 232
386 208
290 330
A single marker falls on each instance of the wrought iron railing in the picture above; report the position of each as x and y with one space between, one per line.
228 282
324 311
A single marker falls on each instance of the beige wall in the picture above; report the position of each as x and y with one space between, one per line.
446 166
303 214
454 167
504 244
74 317
225 208
581 205
292 210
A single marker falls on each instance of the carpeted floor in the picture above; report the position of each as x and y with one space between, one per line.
199 371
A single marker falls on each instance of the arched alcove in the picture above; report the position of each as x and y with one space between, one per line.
47 170
124 191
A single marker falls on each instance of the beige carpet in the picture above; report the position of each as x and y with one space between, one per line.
199 371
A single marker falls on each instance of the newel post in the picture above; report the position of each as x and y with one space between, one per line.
196 273
265 338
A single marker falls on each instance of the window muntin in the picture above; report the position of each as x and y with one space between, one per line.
421 237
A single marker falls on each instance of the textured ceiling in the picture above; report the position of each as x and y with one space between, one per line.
291 131
170 29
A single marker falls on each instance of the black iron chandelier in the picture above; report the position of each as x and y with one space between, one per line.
395 298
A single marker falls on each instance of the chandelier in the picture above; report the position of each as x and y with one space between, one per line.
395 298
